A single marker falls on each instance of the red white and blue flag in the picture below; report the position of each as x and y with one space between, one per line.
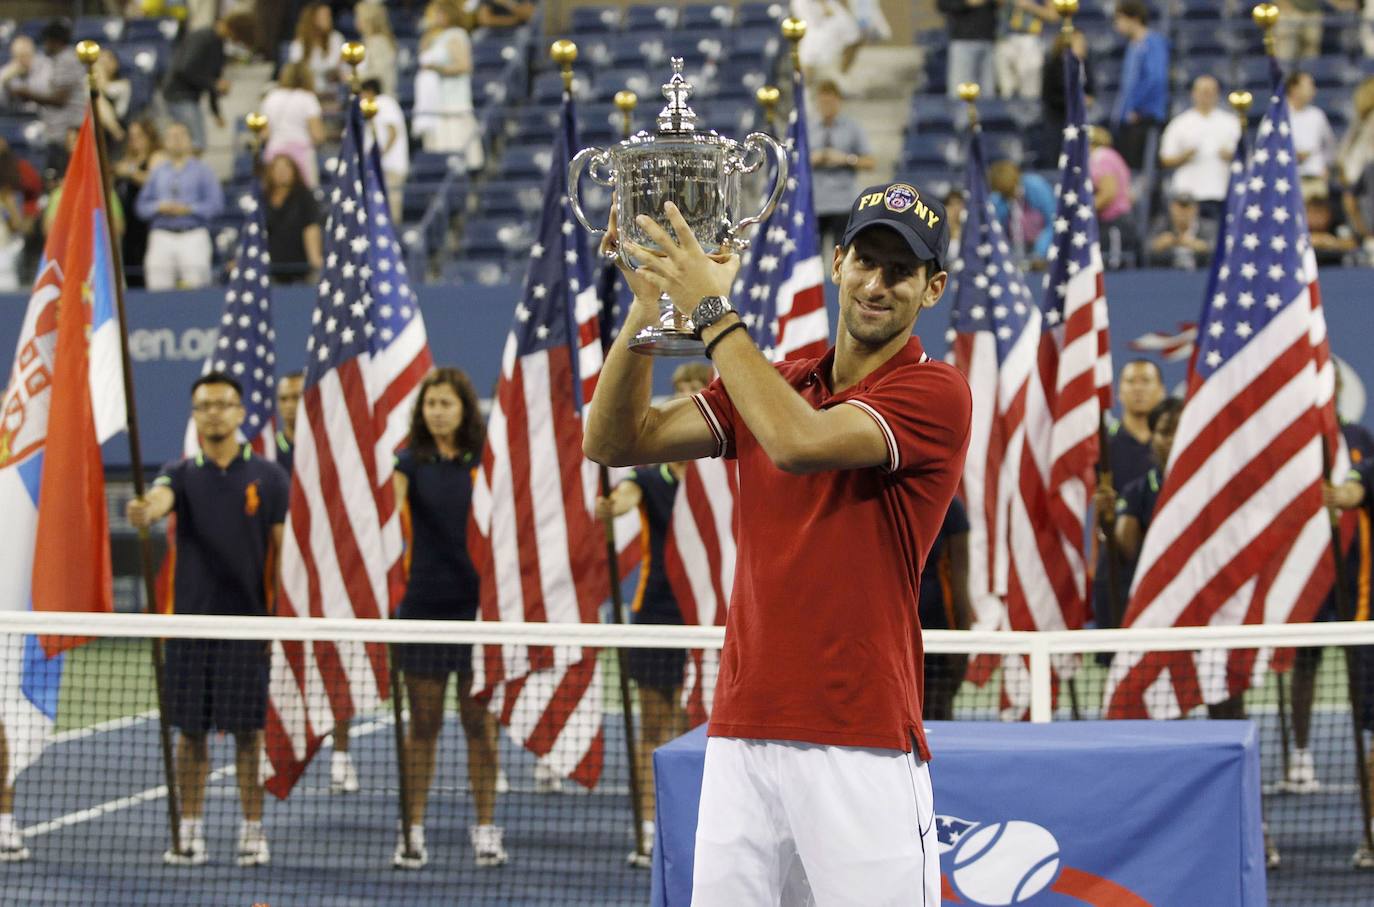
536 539
995 335
1239 533
64 398
341 554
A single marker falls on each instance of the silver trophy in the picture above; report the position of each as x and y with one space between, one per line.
697 171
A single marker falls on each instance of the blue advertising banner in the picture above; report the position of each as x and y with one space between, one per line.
1114 814
171 333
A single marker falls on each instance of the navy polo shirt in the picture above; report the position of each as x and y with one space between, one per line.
654 601
1138 499
224 521
443 582
1131 460
286 454
937 599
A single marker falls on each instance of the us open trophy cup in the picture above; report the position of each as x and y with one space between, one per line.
697 171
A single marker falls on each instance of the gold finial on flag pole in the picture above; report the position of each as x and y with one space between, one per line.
1266 16
564 53
968 93
794 29
625 102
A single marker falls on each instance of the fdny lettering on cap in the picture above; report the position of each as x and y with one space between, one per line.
900 198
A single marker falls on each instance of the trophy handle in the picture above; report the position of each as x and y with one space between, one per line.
596 157
763 143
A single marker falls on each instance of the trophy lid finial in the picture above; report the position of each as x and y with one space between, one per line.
676 116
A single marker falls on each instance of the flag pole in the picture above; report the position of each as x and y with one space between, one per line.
88 52
564 53
768 97
353 54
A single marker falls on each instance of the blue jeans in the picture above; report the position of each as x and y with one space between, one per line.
971 61
189 114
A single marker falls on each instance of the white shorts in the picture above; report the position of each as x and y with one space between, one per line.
792 824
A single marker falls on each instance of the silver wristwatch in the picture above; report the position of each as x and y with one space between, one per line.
710 310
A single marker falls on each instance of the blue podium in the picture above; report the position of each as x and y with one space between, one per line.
1119 813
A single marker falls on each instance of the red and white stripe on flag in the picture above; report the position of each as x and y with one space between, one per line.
700 560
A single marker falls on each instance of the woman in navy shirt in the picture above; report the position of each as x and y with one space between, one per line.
434 484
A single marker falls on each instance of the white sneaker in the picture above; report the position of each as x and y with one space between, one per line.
546 780
1363 858
253 847
643 859
486 844
12 849
193 853
343 778
1302 774
502 782
410 854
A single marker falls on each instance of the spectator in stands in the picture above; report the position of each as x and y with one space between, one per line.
389 128
1332 239
197 70
15 224
972 42
142 153
318 45
26 69
115 94
1313 139
54 197
1113 197
444 117
61 99
1298 36
294 239
1355 160
945 605
230 507
831 40
1131 455
503 13
1020 54
839 152
295 121
1198 145
180 198
1187 243
374 30
1054 106
433 480
1142 102
1025 206
955 208
657 673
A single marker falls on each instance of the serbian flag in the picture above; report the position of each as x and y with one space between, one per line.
64 397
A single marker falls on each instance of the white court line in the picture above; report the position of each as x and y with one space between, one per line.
154 793
114 724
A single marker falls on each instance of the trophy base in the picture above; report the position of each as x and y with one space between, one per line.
658 341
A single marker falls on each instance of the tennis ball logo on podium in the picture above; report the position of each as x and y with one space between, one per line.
999 863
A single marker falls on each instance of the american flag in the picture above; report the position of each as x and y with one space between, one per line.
780 290
537 542
1239 534
780 295
341 557
1076 374
247 344
994 339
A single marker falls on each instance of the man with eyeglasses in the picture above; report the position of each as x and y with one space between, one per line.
230 507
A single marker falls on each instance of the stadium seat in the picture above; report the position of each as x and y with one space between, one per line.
765 15
433 166
1330 71
105 29
650 16
591 20
160 30
533 125
524 162
145 57
495 238
492 54
760 43
707 16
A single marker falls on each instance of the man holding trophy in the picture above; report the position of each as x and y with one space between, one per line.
816 784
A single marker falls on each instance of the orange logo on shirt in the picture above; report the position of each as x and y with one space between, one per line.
251 499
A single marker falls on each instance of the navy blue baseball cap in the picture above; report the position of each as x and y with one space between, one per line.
918 218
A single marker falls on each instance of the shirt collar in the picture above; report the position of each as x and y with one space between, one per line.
246 454
910 354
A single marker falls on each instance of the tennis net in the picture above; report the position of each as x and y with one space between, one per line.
91 801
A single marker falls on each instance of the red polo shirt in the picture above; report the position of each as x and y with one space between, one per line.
823 642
